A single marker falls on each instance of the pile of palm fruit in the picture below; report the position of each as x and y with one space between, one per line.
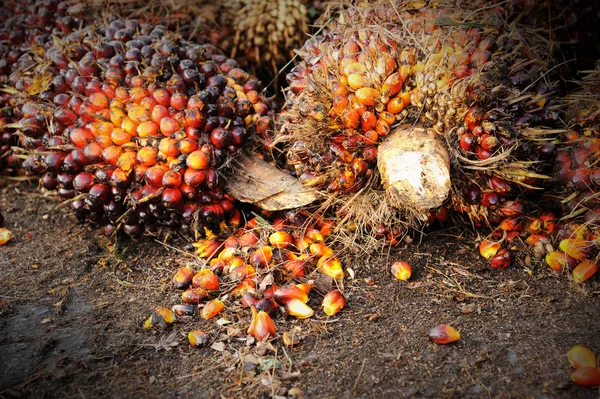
399 115
262 266
577 175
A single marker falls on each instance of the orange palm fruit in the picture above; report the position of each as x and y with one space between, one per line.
242 272
206 279
262 327
487 248
320 250
243 287
401 270
161 317
556 260
333 302
444 334
298 309
367 96
281 239
579 356
331 266
212 309
577 248
584 271
5 235
198 338
587 376
183 278
261 257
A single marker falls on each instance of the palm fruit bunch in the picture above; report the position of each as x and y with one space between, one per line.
265 32
263 266
577 177
26 27
402 111
133 125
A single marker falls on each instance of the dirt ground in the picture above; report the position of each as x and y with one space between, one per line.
72 306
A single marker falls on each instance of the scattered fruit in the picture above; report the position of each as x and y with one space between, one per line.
333 302
401 270
579 356
444 334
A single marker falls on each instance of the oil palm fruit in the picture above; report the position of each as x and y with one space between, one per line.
398 114
134 125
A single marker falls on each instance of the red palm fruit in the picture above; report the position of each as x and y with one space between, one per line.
499 185
467 141
154 176
183 278
473 118
269 292
444 334
249 300
556 260
296 268
261 327
368 120
331 266
490 200
194 295
340 103
212 309
298 309
172 179
147 129
579 356
333 302
587 377
288 292
5 235
261 257
502 260
206 279
171 198
584 271
281 239
120 137
198 338
401 270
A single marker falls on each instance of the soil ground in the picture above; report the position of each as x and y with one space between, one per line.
72 305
